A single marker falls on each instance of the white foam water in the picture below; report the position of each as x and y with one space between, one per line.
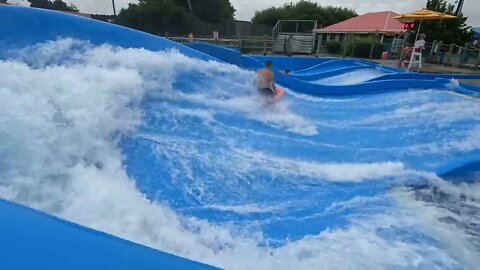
61 120
352 77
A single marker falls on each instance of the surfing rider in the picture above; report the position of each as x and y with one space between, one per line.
265 80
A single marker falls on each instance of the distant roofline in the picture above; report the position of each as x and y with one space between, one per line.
385 29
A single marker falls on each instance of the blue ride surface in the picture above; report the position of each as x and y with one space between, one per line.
34 240
173 148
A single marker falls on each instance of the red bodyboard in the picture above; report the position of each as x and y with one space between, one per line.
279 94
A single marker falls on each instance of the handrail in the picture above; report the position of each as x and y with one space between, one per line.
274 31
261 45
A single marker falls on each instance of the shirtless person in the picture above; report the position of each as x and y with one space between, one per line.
265 80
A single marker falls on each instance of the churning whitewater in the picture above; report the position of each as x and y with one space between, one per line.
182 155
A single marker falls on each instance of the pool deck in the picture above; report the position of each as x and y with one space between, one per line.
433 68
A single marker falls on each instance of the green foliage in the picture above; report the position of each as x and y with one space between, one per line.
362 49
154 16
303 10
60 5
55 5
454 31
160 16
358 46
213 10
333 46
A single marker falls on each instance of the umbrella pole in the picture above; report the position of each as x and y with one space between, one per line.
418 32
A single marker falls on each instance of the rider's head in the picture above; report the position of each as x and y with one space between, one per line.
268 64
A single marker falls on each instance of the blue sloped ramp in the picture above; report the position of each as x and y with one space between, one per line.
33 240
24 26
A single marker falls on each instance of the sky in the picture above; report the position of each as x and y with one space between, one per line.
246 8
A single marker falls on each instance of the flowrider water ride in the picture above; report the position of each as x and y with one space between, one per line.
124 150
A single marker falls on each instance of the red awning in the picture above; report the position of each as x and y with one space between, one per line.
381 22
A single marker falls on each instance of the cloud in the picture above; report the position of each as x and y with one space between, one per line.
99 6
246 8
19 3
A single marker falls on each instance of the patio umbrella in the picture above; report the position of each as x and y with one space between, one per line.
423 15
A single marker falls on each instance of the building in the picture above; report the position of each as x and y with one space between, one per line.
381 24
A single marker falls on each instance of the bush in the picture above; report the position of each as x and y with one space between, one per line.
362 49
333 46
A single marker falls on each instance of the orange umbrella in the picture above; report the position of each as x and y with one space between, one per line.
423 15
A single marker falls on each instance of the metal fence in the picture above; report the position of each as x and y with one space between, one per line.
435 52
259 45
452 55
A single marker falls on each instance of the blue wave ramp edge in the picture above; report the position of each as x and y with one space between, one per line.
34 240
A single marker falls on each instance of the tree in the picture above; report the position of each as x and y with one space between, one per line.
213 10
209 10
60 5
154 16
55 5
453 31
160 16
303 10
41 4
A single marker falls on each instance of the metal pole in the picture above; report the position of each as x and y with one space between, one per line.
450 54
459 8
345 45
477 63
265 47
114 10
432 51
418 32
372 46
319 43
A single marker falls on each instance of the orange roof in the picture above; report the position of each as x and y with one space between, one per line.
382 22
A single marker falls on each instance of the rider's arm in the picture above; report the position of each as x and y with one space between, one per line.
272 81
